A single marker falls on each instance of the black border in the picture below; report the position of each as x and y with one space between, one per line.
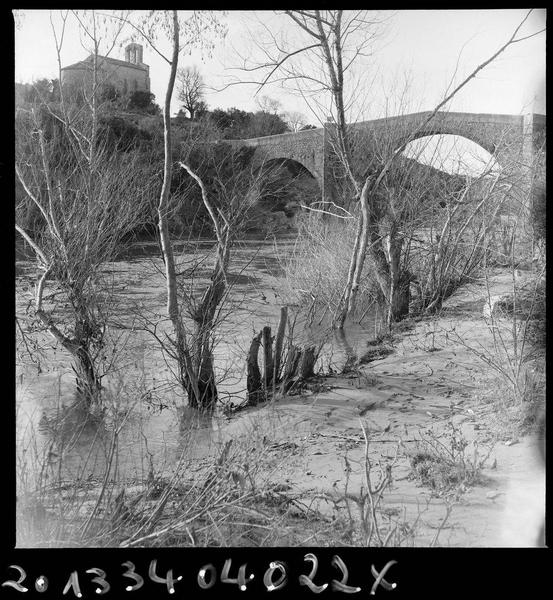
426 572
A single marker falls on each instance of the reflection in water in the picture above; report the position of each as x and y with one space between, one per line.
343 343
79 440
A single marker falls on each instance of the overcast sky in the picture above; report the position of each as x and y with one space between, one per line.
417 56
424 45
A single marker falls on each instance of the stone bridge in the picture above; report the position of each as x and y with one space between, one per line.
513 140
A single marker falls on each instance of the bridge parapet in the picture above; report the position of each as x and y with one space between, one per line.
284 138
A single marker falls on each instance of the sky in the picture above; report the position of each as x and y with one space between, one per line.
414 60
422 44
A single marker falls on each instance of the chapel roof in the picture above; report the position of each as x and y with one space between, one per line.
84 64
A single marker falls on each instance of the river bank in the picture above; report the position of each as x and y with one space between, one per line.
420 415
462 451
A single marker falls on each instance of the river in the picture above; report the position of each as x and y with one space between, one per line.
55 432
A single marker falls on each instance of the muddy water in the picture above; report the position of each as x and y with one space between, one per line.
58 437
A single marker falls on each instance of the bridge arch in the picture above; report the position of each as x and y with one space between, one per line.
303 147
452 153
477 139
294 167
294 185
511 139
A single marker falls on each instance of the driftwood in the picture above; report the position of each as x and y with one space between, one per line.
285 370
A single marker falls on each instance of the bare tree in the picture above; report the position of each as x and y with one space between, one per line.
87 200
368 227
237 190
193 356
295 120
86 205
337 40
191 89
268 105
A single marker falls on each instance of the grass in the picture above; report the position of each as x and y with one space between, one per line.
316 272
445 462
513 349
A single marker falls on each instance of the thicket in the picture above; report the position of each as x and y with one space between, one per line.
141 134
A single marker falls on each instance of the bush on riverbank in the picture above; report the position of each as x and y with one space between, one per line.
316 271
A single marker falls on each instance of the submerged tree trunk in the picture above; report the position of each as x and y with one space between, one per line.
201 377
254 386
196 363
204 322
279 341
88 383
87 378
204 315
200 385
286 372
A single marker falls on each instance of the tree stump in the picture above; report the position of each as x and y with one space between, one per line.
253 383
268 365
307 364
279 368
279 340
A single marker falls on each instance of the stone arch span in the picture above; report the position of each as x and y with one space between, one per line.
303 147
511 139
294 167
287 189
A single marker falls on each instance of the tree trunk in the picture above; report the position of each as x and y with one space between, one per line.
397 299
253 384
268 365
201 386
279 341
165 240
307 365
88 383
202 356
401 298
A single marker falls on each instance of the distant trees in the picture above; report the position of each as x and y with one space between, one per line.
41 90
269 105
296 120
139 101
142 101
234 123
263 123
190 88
